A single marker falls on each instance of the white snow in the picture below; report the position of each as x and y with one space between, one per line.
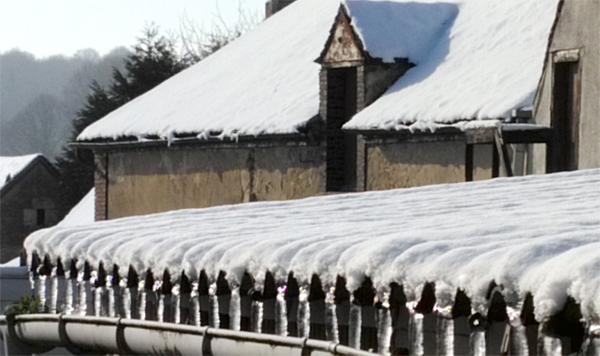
83 213
266 82
487 64
15 262
538 234
10 167
395 29
475 60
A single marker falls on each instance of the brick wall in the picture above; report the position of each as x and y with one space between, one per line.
101 184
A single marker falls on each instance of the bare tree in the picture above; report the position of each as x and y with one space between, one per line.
197 42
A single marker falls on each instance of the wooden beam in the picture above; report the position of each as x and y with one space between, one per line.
469 163
503 152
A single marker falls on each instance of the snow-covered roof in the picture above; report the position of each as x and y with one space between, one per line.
83 213
265 82
485 64
537 234
475 59
10 167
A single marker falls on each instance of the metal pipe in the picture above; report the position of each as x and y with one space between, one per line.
83 334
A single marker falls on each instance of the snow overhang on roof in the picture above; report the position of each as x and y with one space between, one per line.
474 60
536 234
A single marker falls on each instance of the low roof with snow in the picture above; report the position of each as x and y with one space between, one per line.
11 167
474 60
83 213
535 234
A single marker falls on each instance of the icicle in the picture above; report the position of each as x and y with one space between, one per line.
282 325
195 305
518 337
342 310
444 329
32 282
234 309
257 316
161 308
551 346
53 291
42 292
331 314
177 301
82 305
591 345
97 301
416 331
126 299
478 341
68 309
214 306
111 291
445 344
385 326
142 300
354 325
303 313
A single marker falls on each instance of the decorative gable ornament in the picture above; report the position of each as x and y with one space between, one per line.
343 47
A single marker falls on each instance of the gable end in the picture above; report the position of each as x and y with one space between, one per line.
343 47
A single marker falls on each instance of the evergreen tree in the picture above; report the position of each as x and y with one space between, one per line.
154 60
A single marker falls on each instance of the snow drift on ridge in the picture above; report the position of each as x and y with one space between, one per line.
538 234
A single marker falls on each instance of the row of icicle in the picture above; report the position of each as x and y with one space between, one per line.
378 321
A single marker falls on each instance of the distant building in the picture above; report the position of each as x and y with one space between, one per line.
273 6
568 98
323 98
29 198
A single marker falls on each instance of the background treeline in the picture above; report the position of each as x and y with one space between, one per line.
46 103
40 98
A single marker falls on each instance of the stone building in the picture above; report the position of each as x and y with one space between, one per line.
29 198
568 98
323 98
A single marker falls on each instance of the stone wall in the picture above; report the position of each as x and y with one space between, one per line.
146 181
413 164
483 158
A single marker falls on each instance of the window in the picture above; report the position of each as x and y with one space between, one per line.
41 217
566 95
341 146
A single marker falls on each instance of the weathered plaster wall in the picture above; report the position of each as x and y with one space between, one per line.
288 173
577 28
37 189
483 156
404 165
156 180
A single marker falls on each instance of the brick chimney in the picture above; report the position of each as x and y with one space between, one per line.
272 6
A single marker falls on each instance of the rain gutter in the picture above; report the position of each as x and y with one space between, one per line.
36 333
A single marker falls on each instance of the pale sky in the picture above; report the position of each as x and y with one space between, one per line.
50 27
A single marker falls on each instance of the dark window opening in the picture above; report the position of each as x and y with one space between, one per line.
341 146
41 217
563 150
